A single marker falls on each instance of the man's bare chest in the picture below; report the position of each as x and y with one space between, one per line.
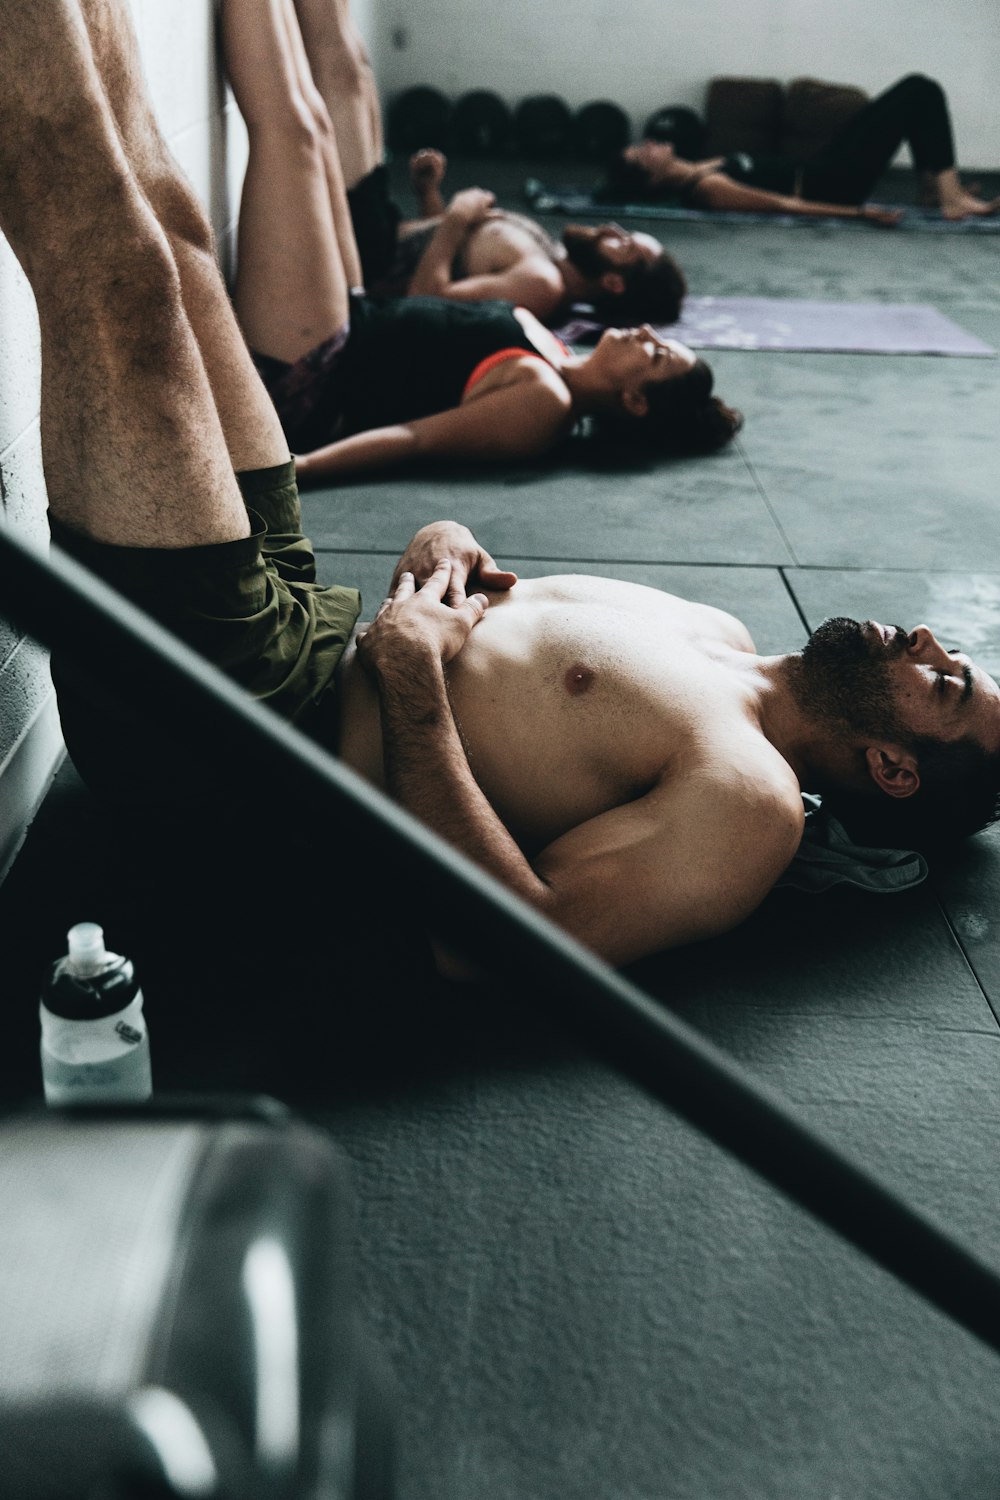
498 244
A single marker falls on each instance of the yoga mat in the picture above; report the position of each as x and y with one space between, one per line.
574 201
783 323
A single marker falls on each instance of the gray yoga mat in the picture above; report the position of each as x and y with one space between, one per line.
782 323
576 202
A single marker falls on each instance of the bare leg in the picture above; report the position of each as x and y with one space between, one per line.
337 188
291 284
134 452
248 419
343 74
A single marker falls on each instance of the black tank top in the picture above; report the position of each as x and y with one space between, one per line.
411 357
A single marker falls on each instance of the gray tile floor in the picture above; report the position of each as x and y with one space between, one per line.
583 1298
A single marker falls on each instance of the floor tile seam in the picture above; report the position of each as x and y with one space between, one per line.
613 562
782 573
969 962
762 492
923 572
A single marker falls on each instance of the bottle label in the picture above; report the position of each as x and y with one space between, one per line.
125 1079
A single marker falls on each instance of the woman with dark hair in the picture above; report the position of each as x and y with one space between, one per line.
835 182
434 379
361 384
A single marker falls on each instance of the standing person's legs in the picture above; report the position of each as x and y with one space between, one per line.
913 111
134 452
343 74
291 283
248 419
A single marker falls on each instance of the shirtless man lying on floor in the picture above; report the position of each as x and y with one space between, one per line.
468 250
620 758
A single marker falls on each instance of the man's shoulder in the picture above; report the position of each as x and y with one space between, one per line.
755 779
745 798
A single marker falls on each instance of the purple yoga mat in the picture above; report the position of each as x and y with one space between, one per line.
780 323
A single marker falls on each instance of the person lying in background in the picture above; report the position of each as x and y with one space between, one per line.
628 278
836 182
619 758
362 384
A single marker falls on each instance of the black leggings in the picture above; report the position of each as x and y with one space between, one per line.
914 112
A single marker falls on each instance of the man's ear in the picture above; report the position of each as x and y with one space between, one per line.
612 282
893 770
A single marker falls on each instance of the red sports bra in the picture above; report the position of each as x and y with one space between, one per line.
498 358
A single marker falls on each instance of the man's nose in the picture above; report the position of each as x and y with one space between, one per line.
925 644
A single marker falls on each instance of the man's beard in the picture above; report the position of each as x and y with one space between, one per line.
845 678
584 252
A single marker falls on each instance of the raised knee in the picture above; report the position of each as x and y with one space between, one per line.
299 126
141 290
348 71
920 83
180 212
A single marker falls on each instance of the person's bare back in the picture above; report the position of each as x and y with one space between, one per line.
578 696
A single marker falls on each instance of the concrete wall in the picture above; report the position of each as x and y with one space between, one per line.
647 53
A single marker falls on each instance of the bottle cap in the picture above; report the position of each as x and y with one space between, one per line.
87 954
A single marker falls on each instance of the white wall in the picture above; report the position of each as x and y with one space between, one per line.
647 53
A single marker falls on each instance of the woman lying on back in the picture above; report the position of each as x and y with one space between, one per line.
361 385
835 182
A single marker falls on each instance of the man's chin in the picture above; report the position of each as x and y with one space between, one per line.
839 639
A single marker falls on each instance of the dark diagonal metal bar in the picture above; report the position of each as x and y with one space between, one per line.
59 602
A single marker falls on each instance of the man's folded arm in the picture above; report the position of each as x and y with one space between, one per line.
691 858
683 862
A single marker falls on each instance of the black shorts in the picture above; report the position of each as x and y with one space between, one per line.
376 225
252 607
307 395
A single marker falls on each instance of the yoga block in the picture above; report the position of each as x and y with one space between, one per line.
743 114
814 111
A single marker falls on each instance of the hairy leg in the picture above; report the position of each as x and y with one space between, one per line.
343 73
248 419
291 284
133 449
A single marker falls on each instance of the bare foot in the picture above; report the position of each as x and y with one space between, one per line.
965 205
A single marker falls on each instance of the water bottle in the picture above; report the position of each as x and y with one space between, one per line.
95 1047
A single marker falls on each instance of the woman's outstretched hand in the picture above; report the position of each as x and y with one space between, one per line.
885 218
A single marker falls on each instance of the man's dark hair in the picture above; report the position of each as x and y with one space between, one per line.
683 417
651 294
625 182
959 794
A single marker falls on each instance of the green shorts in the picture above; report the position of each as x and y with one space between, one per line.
251 606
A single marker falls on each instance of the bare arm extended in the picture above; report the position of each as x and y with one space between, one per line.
691 858
719 191
519 419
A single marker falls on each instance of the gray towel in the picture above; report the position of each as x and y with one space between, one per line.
826 857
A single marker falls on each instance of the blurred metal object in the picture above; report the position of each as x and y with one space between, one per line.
178 1314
